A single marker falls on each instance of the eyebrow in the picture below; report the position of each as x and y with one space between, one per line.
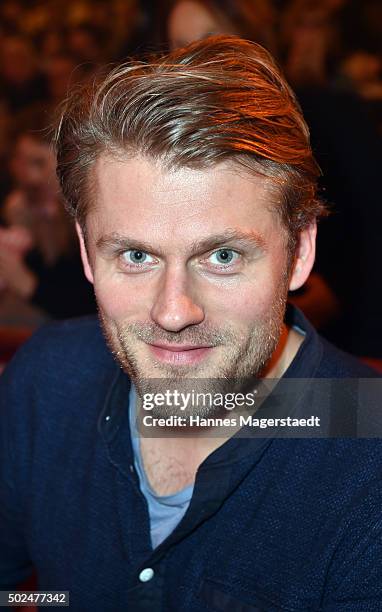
251 238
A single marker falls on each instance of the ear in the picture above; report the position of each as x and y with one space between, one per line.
304 259
84 254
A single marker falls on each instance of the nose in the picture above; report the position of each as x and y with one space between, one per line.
175 306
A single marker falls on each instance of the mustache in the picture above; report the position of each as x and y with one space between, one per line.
200 334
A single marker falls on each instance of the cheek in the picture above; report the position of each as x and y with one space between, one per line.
256 298
117 300
243 303
251 304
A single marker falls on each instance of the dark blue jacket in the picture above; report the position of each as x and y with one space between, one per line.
274 524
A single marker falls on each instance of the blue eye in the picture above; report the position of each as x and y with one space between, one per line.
224 257
136 257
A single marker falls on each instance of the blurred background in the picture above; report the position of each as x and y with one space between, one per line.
331 52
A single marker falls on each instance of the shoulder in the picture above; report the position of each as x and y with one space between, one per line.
73 336
318 358
60 358
51 396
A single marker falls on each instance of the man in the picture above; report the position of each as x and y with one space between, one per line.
193 186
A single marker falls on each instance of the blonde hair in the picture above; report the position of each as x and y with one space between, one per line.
218 99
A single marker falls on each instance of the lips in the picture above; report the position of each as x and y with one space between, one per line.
179 354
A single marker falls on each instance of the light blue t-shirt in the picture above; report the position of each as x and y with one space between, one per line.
165 511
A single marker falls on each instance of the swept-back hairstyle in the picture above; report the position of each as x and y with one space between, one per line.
218 99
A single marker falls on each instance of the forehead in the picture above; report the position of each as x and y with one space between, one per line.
144 197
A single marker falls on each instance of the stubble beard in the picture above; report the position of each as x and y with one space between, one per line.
243 358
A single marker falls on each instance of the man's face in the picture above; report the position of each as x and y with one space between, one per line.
189 268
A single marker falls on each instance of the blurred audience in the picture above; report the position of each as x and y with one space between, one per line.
45 48
39 259
309 40
22 83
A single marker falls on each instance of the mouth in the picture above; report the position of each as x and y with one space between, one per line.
177 354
